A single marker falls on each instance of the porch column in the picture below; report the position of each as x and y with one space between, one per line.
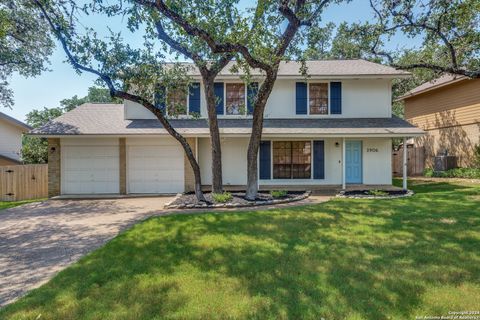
404 163
344 185
123 165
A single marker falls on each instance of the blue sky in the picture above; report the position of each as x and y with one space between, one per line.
62 82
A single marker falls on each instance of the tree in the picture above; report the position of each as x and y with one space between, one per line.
263 48
35 149
167 25
449 30
94 95
25 44
129 73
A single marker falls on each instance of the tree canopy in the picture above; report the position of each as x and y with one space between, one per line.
25 44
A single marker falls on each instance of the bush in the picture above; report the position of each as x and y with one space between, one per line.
222 197
278 193
468 173
428 172
476 155
377 193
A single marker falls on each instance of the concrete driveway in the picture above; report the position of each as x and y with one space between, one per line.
37 240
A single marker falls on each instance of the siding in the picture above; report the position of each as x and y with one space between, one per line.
10 140
361 98
377 167
458 140
451 117
463 95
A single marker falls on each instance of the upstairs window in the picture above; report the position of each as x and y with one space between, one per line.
235 99
177 102
318 98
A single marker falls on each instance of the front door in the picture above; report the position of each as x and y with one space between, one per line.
353 161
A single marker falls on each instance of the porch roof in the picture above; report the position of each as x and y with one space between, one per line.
108 119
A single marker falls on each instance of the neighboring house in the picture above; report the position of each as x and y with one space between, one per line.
335 129
11 131
448 109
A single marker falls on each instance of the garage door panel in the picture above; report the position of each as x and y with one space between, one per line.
155 168
90 169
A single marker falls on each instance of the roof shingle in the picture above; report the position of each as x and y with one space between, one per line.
108 119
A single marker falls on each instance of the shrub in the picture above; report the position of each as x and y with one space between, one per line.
278 193
468 173
222 197
476 155
428 172
377 193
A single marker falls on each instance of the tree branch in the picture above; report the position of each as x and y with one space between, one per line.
204 35
108 81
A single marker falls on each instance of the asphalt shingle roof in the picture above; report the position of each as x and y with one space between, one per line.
354 67
14 121
444 80
108 119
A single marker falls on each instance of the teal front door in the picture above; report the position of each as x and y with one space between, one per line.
353 161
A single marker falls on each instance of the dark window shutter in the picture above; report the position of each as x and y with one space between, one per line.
252 91
336 97
194 98
160 98
318 160
265 160
301 97
218 90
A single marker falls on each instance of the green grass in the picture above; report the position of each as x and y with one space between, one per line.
344 259
11 204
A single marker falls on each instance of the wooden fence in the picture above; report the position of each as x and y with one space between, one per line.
415 161
23 182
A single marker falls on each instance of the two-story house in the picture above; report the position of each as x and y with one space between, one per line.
335 128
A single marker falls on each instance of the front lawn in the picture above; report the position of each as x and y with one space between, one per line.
344 259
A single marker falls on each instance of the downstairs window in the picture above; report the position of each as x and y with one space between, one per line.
292 159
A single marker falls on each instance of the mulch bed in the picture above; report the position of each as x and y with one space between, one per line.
366 194
189 201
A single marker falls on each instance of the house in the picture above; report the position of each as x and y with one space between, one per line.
11 131
448 109
334 129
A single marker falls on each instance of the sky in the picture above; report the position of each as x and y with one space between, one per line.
63 82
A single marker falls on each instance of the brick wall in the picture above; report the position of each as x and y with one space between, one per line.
189 177
54 170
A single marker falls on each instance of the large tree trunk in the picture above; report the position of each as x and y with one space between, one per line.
256 135
217 180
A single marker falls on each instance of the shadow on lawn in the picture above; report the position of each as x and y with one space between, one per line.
370 259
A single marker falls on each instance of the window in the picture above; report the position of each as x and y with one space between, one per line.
235 102
177 102
318 98
291 159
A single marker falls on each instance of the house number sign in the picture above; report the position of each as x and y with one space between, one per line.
372 149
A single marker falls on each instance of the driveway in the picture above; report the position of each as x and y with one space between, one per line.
37 240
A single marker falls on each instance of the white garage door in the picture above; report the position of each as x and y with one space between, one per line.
90 169
155 168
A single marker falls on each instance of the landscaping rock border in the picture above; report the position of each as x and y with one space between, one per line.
204 205
342 194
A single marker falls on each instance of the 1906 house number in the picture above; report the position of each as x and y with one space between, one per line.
372 149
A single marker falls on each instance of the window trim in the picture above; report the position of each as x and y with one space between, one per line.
225 114
308 99
292 179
